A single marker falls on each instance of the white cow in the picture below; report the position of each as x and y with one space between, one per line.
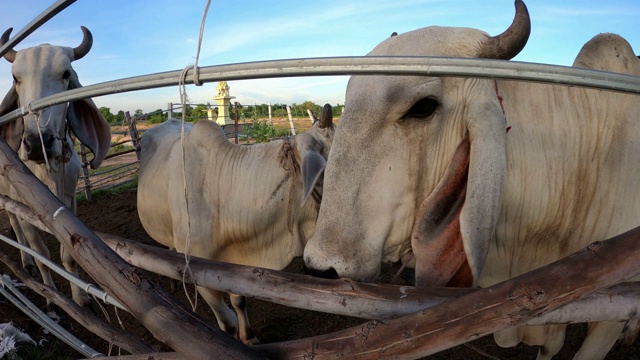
42 140
565 174
240 204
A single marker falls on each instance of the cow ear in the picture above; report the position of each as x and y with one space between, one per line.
11 132
313 165
487 168
88 124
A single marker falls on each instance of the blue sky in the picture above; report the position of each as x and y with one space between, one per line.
136 37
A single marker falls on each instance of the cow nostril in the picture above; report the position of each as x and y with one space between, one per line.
48 141
33 146
329 273
27 145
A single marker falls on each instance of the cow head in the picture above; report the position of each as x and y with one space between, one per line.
400 159
42 71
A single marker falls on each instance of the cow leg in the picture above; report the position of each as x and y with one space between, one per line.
630 332
226 318
32 234
245 331
550 338
27 260
173 283
509 337
79 295
553 341
600 339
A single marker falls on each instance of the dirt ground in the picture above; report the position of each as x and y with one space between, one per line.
116 214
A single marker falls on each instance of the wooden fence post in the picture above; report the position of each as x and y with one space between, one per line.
312 116
133 133
85 173
235 121
293 129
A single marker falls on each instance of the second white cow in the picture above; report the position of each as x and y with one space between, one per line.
240 204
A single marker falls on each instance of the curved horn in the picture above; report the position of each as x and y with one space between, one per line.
11 54
87 41
508 44
326 118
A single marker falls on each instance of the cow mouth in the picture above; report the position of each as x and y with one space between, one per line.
436 239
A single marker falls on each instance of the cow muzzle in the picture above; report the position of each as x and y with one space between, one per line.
36 150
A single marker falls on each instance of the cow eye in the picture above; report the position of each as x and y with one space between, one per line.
424 108
15 80
66 74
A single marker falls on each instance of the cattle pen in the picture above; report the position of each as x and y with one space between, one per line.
396 303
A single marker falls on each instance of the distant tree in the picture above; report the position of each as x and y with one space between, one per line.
188 110
262 110
261 131
310 105
200 111
119 117
279 110
106 112
157 117
138 113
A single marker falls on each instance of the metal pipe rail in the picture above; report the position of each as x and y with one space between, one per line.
32 311
89 287
359 65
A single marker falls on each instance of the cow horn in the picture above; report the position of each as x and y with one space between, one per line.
87 41
508 44
326 118
11 54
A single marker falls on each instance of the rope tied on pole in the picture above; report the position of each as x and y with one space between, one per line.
184 99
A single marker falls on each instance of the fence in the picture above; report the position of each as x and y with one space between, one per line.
111 177
299 67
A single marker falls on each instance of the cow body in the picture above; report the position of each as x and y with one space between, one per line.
240 204
559 179
42 140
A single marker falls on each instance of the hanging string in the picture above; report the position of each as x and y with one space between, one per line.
56 181
184 99
44 150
